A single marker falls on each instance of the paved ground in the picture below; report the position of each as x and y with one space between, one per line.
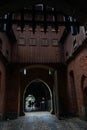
43 121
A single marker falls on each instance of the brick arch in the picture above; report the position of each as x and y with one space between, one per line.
34 72
46 85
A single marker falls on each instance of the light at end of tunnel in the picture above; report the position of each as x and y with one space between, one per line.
50 72
25 72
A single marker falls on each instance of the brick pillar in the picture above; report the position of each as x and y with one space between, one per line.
73 102
2 89
56 97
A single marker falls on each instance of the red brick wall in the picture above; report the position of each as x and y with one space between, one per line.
79 67
37 54
2 87
12 92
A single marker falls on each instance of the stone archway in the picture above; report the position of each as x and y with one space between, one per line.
33 73
42 94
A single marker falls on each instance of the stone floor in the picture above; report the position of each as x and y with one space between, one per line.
43 121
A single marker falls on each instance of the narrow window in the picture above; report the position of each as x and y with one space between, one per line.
44 42
55 42
21 41
32 41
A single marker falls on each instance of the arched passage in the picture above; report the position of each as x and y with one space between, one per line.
37 97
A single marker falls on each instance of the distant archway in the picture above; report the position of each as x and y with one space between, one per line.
42 95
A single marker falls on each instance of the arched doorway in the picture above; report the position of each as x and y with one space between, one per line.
37 97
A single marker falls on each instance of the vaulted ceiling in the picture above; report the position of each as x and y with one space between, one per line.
76 8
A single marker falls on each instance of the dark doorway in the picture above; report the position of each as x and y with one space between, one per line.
37 97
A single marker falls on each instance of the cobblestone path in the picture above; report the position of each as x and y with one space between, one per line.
43 121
